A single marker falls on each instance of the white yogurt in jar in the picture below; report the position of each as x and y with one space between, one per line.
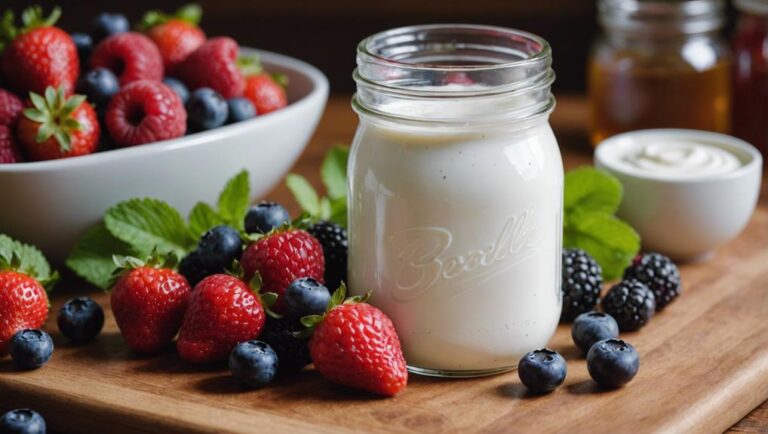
458 237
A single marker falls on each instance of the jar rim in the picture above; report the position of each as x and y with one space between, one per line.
662 16
364 48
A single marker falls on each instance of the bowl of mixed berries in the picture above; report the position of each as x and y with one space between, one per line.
156 109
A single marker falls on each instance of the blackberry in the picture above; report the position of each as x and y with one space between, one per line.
582 279
333 238
659 274
292 352
630 303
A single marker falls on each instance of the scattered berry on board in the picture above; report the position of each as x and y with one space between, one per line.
291 350
264 217
591 327
22 421
31 349
542 371
659 273
582 280
612 363
333 238
281 257
80 320
253 363
149 300
630 303
305 296
223 311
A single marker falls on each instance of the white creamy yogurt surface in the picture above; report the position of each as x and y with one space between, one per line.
673 157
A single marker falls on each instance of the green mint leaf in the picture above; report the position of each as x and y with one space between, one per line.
203 218
26 259
339 211
609 240
334 172
146 224
325 209
91 258
588 189
234 200
304 194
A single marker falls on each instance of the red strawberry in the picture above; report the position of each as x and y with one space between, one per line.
214 65
281 257
9 151
266 94
10 108
58 127
355 344
39 55
149 301
177 35
145 111
24 274
223 312
131 56
23 305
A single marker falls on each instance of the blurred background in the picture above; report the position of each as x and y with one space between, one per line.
326 32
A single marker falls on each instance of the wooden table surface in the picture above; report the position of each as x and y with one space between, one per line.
103 383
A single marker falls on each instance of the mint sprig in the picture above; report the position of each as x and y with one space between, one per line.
333 173
590 199
137 227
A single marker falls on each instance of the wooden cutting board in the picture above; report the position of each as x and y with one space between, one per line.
704 365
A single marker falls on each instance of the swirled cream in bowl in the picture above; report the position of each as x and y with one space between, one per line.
685 191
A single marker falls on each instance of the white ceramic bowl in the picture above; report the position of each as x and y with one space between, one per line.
52 203
685 218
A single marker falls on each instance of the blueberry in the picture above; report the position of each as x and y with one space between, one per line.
98 85
107 24
264 217
591 327
240 109
22 421
177 86
254 363
80 319
193 269
206 109
612 362
542 371
31 349
84 44
219 247
306 296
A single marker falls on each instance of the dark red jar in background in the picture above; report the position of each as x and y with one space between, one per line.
750 75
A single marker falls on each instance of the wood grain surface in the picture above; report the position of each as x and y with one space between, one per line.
704 362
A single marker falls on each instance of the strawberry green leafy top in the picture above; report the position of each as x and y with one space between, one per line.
26 259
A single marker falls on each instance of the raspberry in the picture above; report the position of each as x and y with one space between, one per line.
333 238
292 352
630 303
659 273
131 56
145 111
214 65
10 108
582 278
9 150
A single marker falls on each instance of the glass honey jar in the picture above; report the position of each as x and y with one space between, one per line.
660 64
750 73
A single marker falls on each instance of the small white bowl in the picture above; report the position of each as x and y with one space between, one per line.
685 218
52 203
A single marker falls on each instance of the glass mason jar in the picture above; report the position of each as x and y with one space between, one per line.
455 194
660 64
750 73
